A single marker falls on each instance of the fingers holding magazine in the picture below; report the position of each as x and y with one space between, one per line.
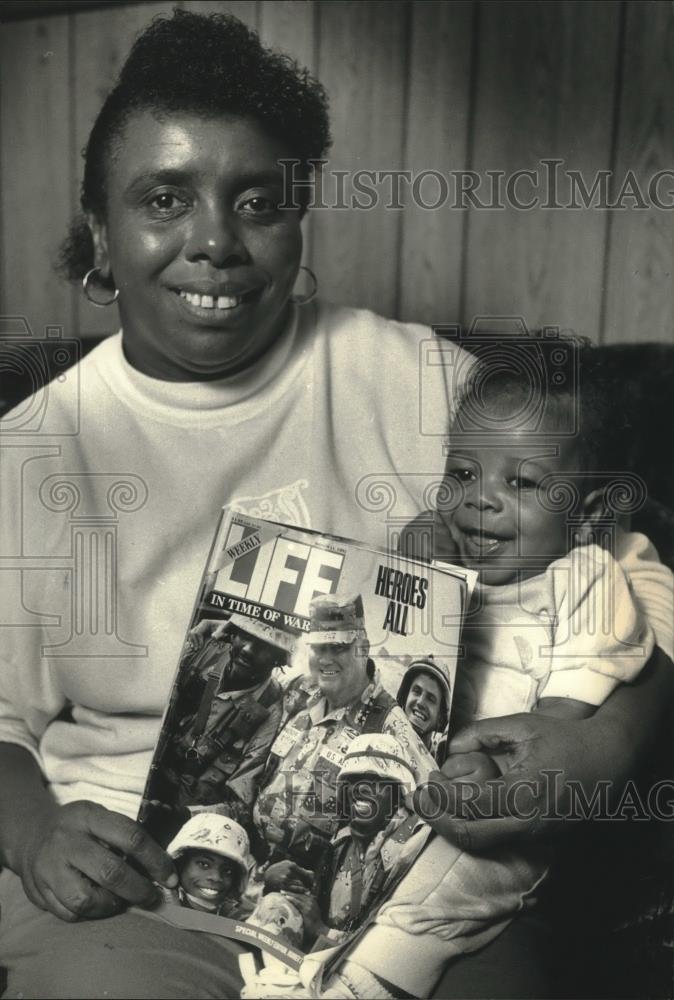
477 811
87 862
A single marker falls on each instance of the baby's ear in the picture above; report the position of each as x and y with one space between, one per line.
593 510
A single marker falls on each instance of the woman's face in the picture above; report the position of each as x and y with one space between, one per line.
203 258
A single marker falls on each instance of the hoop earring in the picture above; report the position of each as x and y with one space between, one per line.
87 291
301 300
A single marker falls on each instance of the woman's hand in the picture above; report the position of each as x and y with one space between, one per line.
539 756
474 766
80 863
286 876
530 798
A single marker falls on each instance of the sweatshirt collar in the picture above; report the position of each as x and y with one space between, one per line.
234 398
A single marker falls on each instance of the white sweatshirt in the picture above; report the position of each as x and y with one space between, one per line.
571 632
310 435
112 483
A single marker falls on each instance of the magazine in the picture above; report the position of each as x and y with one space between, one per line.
311 697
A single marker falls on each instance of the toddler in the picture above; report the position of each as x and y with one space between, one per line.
554 629
553 626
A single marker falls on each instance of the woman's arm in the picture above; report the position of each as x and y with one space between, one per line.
544 753
72 859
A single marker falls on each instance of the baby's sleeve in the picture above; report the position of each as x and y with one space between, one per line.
652 584
601 639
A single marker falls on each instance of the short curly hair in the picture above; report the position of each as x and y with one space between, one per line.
563 380
207 65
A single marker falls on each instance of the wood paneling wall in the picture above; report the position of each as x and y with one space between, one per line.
492 87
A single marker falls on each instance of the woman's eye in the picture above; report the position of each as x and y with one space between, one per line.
259 205
523 483
166 203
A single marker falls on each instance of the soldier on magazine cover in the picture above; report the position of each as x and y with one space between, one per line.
210 853
296 810
425 694
219 747
366 850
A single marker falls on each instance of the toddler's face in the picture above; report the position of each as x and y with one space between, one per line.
207 876
501 524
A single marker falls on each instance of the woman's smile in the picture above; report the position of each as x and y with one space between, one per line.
217 309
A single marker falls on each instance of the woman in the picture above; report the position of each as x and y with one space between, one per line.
221 389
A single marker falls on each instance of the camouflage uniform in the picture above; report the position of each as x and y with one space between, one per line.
296 695
220 751
296 811
356 880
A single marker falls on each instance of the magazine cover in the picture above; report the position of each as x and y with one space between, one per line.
311 698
